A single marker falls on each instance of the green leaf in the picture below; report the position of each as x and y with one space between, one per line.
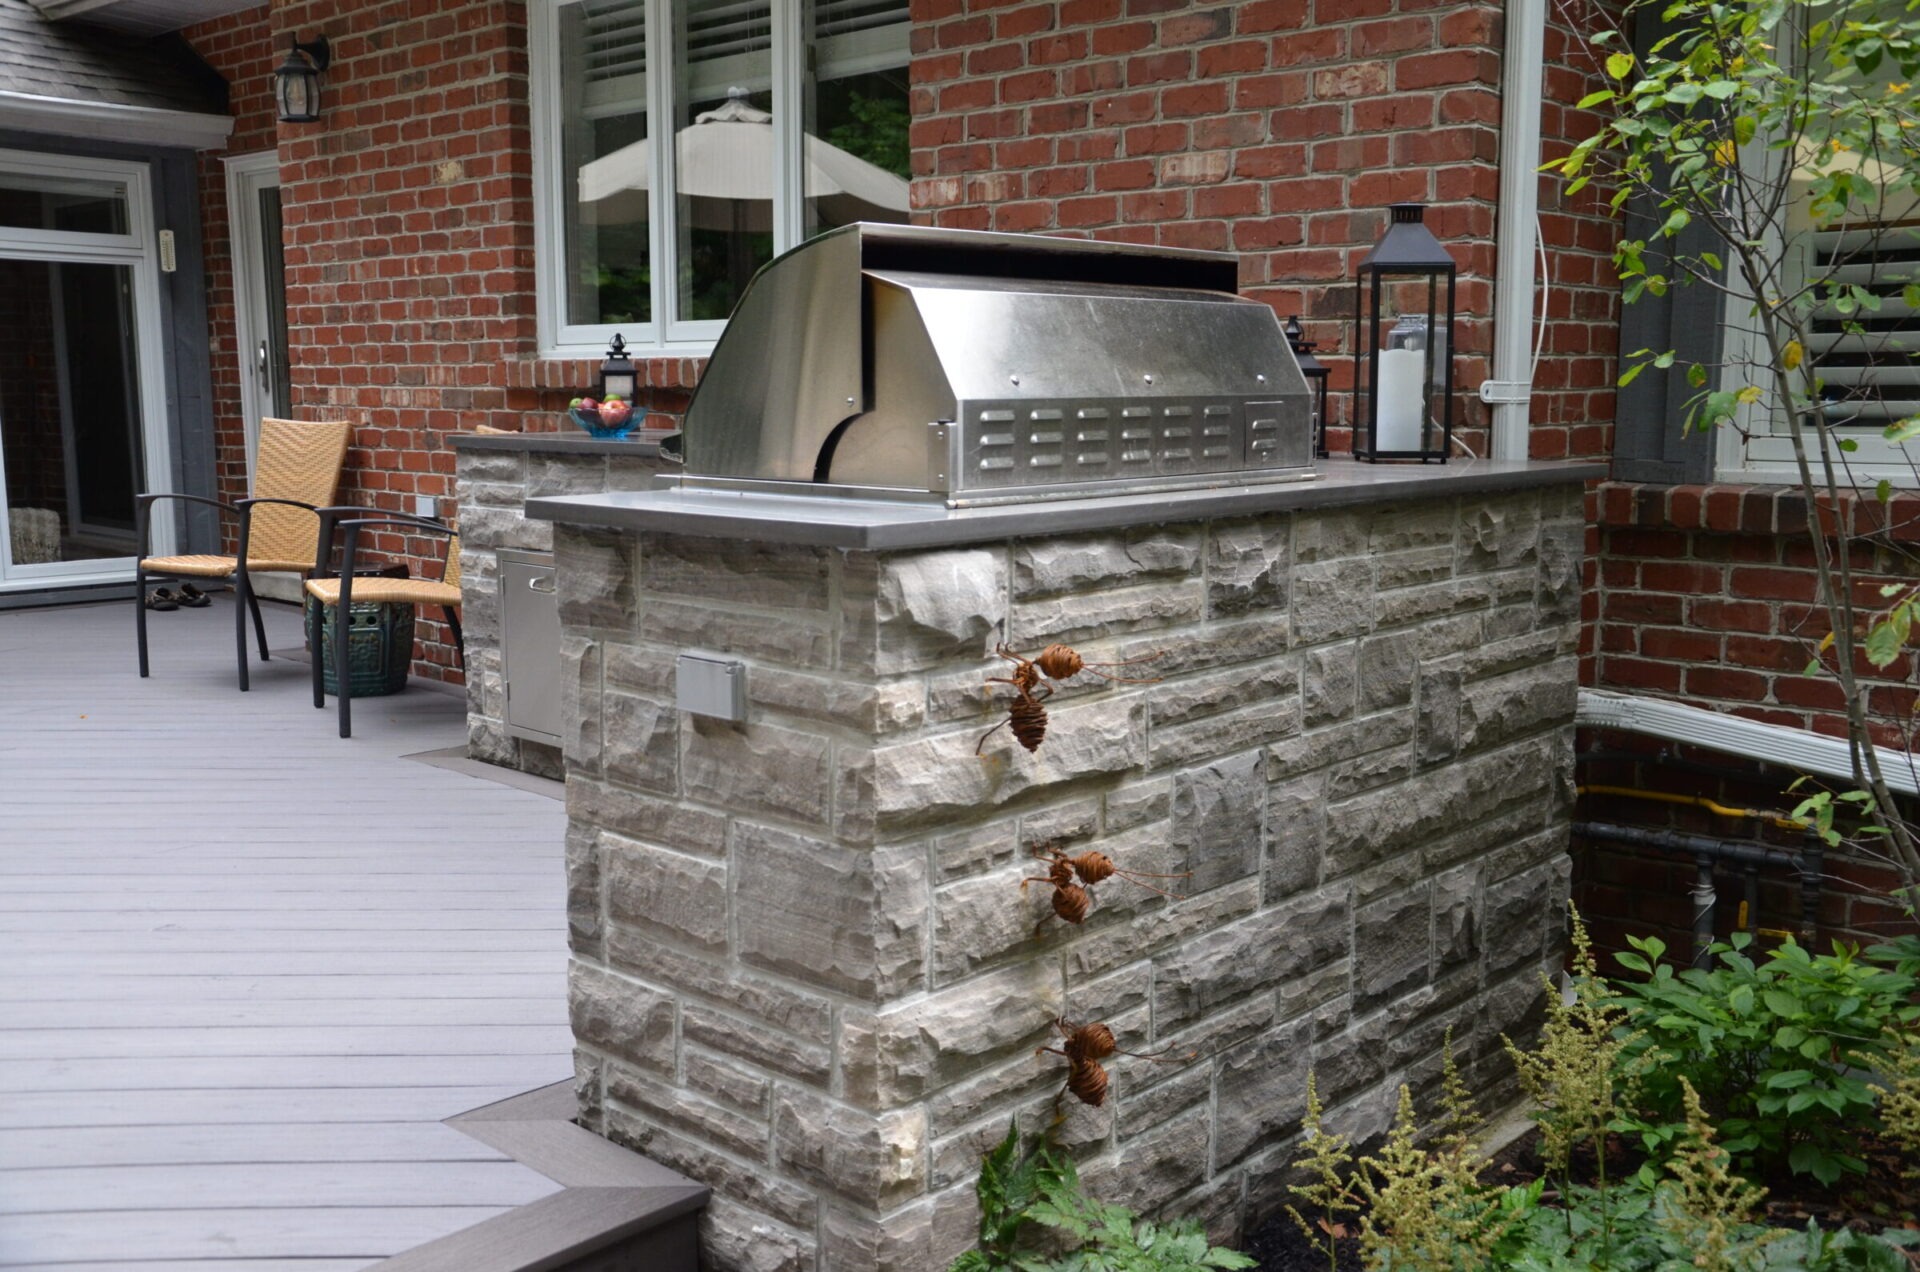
1594 99
1741 999
1744 128
1697 376
1903 430
1619 65
1883 491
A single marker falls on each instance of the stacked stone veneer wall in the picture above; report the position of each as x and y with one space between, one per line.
805 972
493 487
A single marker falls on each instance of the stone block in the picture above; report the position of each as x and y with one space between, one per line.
1248 564
1562 547
911 611
1214 968
1139 803
1499 533
736 1239
1218 820
565 475
750 1184
792 638
1363 773
1260 1093
1353 1059
1229 643
1396 818
756 769
768 1004
1410 569
584 925
810 1062
621 1017
646 817
1296 836
1385 671
506 528
661 1103
1107 612
665 893
874 1160
1517 910
633 472
484 465
1051 567
992 1093
510 496
643 669
726 1081
640 742
1456 929
1507 707
595 575
763 575
1154 1168
1139 1110
1390 948
892 1057
927 1235
930 781
1329 687
1155 929
875 710
1330 535
1196 697
1209 736
990 918
966 853
580 717
848 918
1332 600
1424 604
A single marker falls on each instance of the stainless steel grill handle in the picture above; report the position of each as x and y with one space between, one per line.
534 584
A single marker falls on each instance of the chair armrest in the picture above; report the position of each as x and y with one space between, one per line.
396 520
143 513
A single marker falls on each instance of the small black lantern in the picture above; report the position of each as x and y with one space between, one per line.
616 373
1403 344
296 85
1317 377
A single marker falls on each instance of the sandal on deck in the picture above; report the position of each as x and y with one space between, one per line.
162 599
193 597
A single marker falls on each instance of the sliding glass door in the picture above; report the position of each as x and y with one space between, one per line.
82 416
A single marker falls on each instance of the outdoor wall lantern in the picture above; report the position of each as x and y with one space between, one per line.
296 85
616 373
1317 377
1403 375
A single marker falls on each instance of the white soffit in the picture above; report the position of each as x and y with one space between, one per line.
1796 749
112 121
140 17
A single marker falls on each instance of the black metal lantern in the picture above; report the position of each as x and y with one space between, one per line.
1403 344
616 373
296 85
1317 377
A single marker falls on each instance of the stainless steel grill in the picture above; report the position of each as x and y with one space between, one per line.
900 362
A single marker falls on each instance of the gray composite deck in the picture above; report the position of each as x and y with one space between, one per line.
246 967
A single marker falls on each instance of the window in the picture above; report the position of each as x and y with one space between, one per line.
1866 359
788 117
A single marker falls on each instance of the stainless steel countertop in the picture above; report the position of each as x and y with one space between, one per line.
877 525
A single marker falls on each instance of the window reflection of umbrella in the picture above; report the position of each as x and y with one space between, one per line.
724 169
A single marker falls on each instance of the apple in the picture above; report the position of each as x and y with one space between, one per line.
614 413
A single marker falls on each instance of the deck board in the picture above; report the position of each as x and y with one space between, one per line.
247 967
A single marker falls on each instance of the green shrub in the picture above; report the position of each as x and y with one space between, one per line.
1775 1047
1042 1187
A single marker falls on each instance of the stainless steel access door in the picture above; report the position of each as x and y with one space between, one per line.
530 645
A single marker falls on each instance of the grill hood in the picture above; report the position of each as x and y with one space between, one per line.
956 366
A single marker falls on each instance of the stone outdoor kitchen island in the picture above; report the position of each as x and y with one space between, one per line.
805 971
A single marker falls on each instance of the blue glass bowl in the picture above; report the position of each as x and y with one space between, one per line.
590 421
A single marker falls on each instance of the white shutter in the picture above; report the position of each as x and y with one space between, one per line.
1867 358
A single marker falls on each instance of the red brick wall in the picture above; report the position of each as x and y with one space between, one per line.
1277 129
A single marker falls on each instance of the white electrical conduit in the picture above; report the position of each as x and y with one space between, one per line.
1515 345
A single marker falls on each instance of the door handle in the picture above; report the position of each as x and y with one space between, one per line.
261 361
534 584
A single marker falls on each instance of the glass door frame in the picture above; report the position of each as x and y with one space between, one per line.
247 176
134 250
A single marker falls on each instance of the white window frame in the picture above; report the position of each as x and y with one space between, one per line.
667 335
136 251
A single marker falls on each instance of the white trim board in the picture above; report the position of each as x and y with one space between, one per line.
1796 749
66 117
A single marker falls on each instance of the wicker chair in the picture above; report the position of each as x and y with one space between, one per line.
296 473
342 591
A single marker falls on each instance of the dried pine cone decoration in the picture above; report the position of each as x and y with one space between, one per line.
1087 1042
1072 902
1088 1082
1029 720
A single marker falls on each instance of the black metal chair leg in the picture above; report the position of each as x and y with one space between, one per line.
317 648
259 627
342 679
240 627
140 616
459 642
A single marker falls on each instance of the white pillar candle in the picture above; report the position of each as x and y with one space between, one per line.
1402 399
